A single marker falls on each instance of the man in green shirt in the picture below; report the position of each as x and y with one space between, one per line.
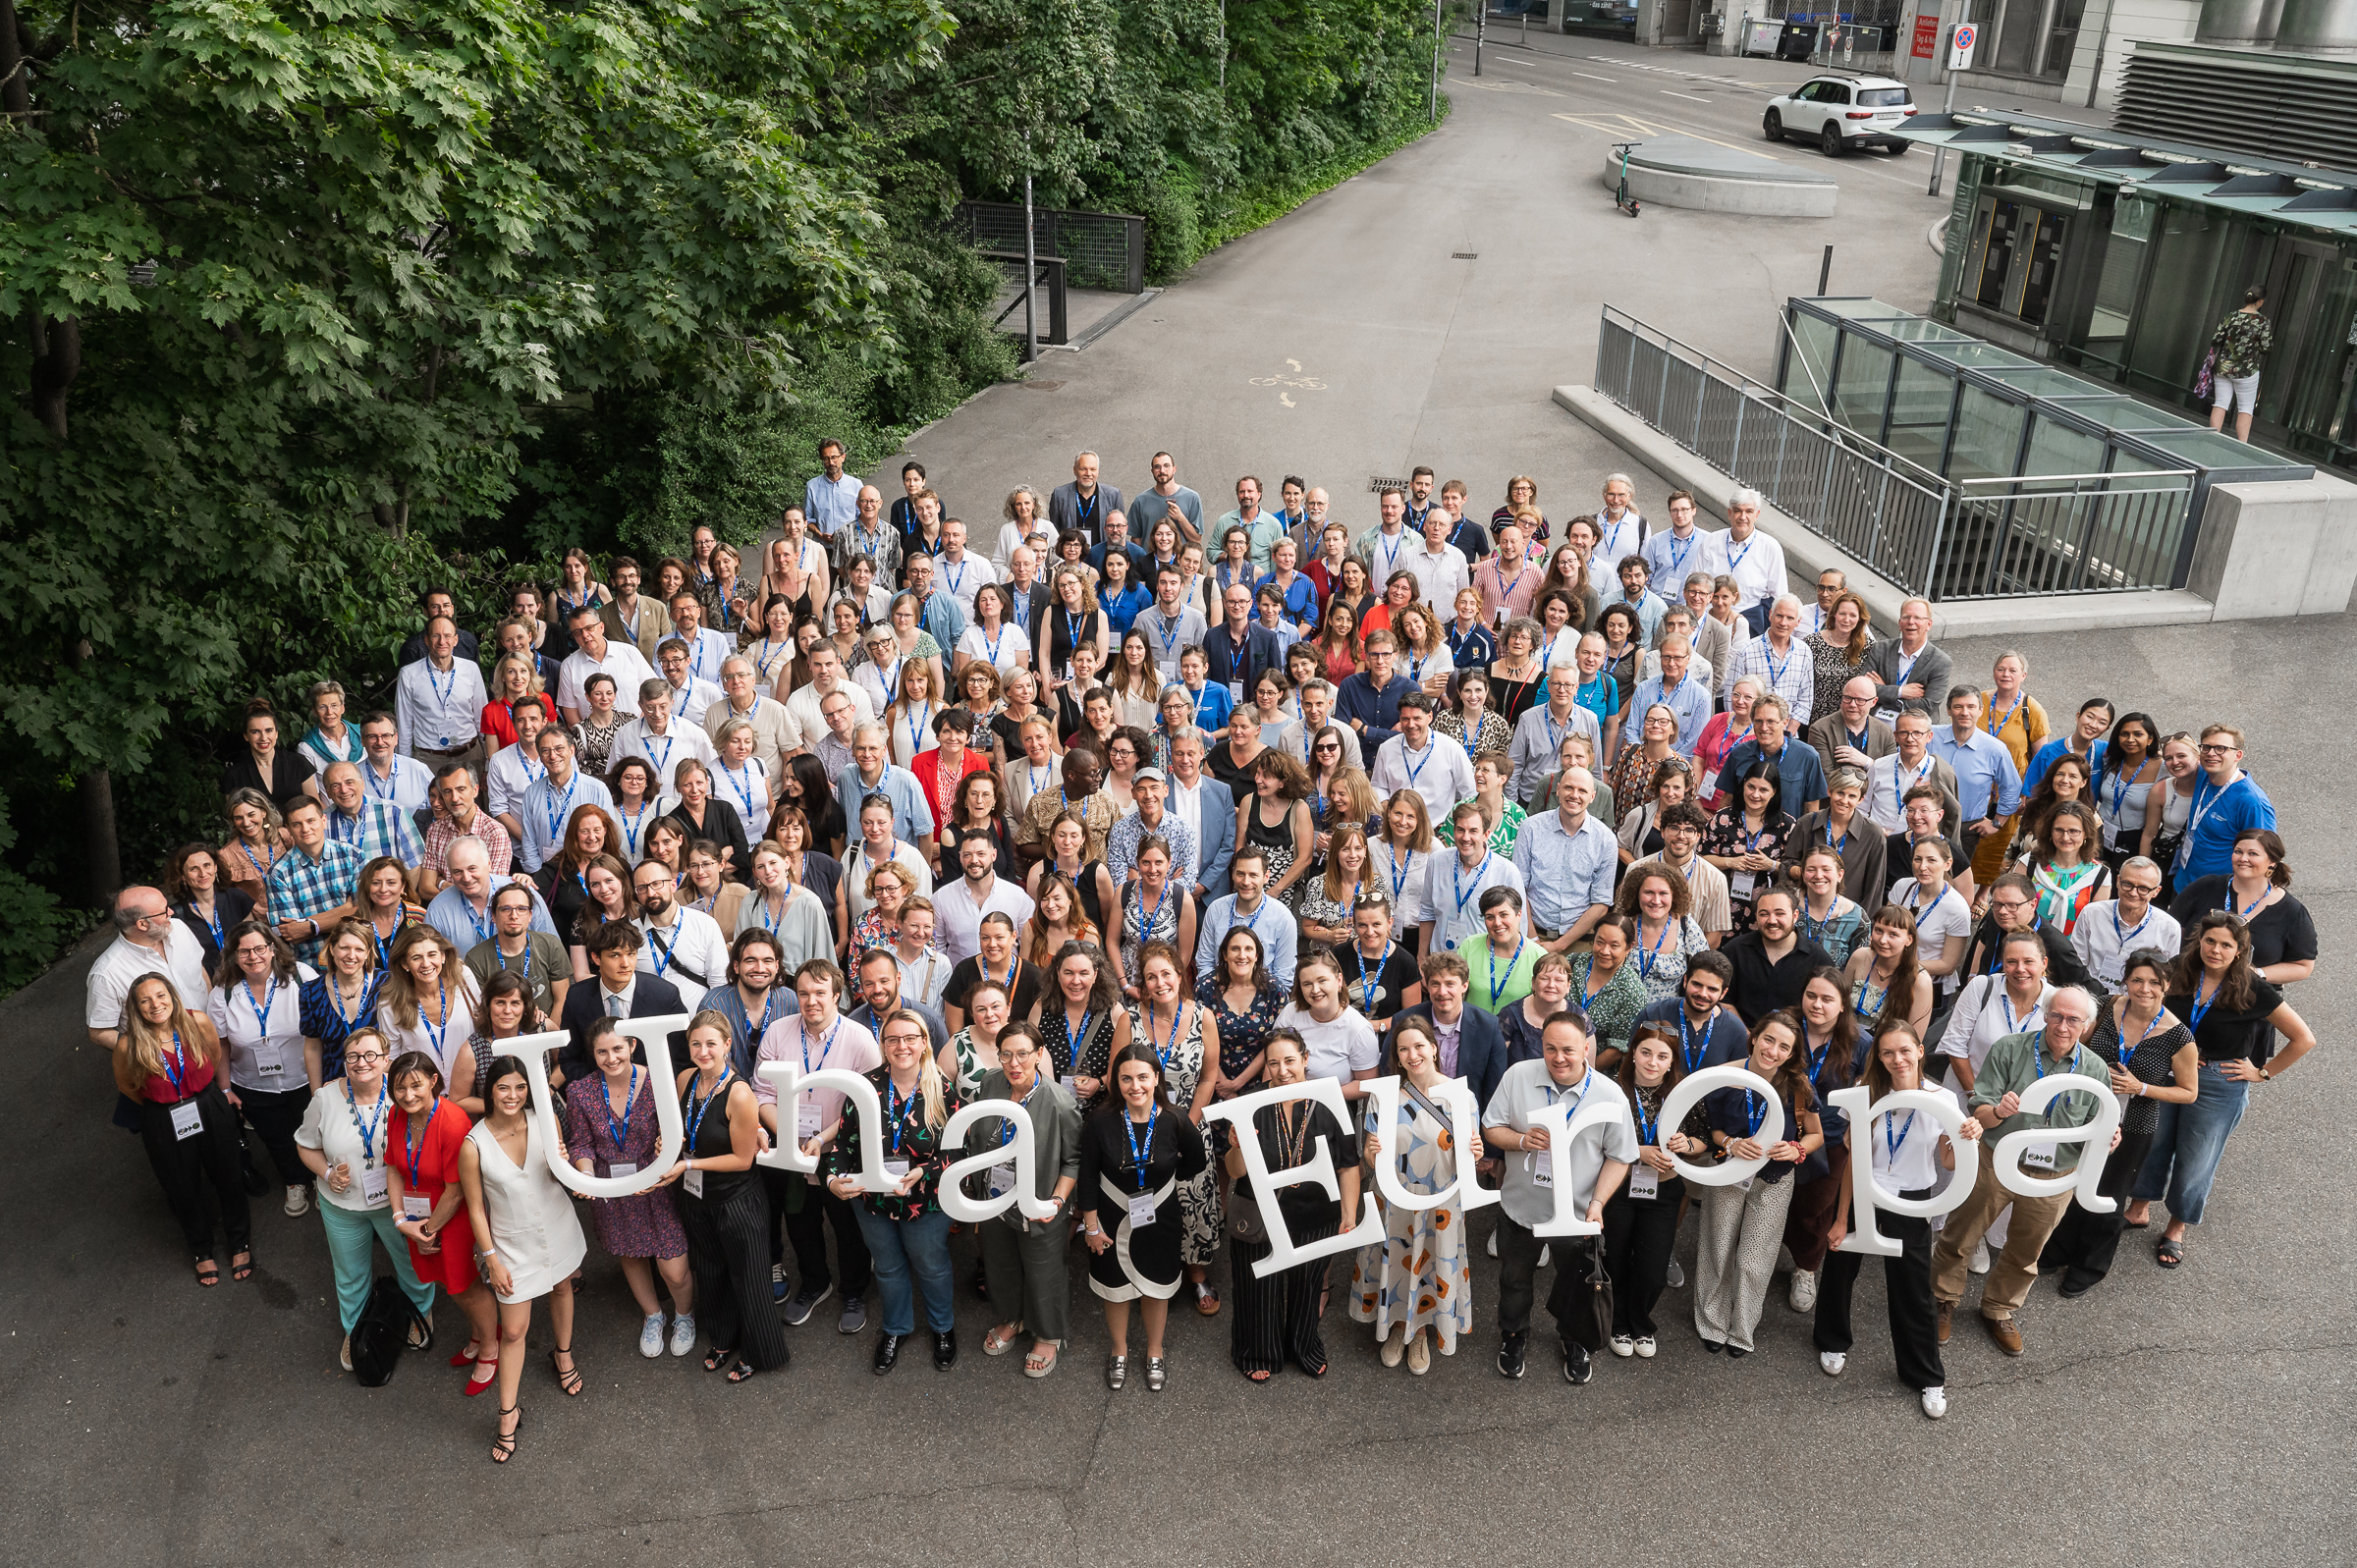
2014 1063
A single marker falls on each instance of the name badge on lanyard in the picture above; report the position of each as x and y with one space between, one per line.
1644 1181
374 1188
1141 1211
188 1119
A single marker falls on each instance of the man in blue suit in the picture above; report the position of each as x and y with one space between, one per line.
1206 805
1472 1046
620 991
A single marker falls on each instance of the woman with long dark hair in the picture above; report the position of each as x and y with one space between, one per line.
1277 1315
423 1151
1828 1054
1136 1151
1640 1218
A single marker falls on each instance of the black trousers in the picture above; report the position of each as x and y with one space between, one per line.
1907 1292
2084 1245
183 1167
1639 1236
806 1225
729 1253
1278 1316
275 1117
1517 1272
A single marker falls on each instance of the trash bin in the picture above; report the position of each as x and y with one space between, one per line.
1799 41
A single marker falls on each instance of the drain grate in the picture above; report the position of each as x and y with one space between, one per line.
1464 255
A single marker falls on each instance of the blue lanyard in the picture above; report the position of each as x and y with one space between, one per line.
824 1046
1402 861
1899 787
1685 1037
1816 1058
632 827
1006 1127
414 1141
1458 888
1074 1037
383 792
526 956
1365 991
695 1122
2038 1060
1756 1111
442 1029
261 1008
1648 956
740 781
2126 1051
1497 989
556 813
916 727
754 1031
1586 1079
2201 1007
1139 1156
176 1067
1426 757
1649 1128
1168 1049
895 1104
1146 917
605 1100
367 1129
1891 1145
2121 784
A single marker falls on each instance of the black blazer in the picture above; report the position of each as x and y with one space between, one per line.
651 998
724 827
1480 1047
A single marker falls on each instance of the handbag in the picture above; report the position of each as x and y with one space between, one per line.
1600 1291
2204 382
1244 1222
382 1332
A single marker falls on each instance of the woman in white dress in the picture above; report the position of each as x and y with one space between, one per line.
527 1238
1419 1277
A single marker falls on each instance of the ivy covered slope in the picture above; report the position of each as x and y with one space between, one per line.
307 303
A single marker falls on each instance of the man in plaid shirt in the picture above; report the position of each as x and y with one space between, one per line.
1783 661
312 877
372 827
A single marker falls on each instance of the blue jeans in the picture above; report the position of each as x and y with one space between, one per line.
348 1234
2188 1143
900 1247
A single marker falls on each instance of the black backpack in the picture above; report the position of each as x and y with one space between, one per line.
382 1334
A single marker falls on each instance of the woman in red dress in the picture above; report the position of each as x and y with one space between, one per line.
421 1150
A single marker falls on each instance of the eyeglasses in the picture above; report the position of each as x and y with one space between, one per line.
2208 746
2149 890
2009 903
362 1058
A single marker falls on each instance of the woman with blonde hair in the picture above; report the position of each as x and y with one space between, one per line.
1026 514
908 722
908 1234
427 1001
1397 861
256 837
170 1062
1057 919
512 679
1839 649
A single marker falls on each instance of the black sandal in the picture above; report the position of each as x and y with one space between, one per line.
717 1357
503 1444
242 1270
568 1379
208 1273
742 1371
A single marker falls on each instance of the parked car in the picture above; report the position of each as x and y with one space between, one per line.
1839 112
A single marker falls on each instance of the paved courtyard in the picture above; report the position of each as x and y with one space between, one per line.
2166 1417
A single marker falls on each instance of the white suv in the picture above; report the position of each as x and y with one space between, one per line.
1839 112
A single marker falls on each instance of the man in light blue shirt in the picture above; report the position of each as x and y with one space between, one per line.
1567 860
1249 906
831 500
872 773
461 910
1690 700
941 615
2225 801
1649 605
1988 784
553 798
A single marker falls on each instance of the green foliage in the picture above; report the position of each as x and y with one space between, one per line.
32 925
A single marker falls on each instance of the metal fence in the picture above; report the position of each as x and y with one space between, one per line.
1100 249
1977 539
1048 290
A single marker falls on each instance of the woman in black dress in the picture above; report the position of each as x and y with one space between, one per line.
2154 1063
1134 1152
284 775
203 900
1277 1317
701 814
724 1209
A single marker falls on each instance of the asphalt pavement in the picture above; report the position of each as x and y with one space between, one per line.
2167 1417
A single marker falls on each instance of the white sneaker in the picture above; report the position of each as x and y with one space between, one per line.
1493 1243
1804 1291
298 1199
345 1354
1675 1279
1546 1256
682 1334
1980 1259
1645 1347
650 1337
1833 1361
1623 1345
1935 1402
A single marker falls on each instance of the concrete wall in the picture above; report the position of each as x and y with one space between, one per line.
2112 26
2286 549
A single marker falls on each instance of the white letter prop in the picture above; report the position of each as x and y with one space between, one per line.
662 1080
1319 1168
968 1211
1726 1075
1565 1128
2005 1158
1465 1126
1869 1195
786 1075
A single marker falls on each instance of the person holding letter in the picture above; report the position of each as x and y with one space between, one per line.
1023 1259
907 1232
1417 1287
1640 1221
1277 1315
1136 1150
1743 1224
723 1206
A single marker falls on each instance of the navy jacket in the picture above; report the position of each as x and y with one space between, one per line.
584 1003
1357 698
1480 1048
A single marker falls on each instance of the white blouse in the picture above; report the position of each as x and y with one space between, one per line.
262 1027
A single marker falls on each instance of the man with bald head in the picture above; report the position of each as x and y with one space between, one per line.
147 940
871 536
461 910
1852 737
369 825
1568 859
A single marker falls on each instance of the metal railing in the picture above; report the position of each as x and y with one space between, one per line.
1048 279
1969 539
1874 503
1100 249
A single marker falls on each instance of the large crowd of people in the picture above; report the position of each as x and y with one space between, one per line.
1121 809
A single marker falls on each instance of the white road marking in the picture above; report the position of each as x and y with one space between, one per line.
1689 98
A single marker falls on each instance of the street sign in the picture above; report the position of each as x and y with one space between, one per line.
1927 37
1960 46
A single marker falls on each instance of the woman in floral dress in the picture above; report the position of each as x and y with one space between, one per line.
1415 1286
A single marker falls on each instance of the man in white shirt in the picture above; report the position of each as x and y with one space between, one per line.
2108 931
1674 555
958 908
1171 628
1619 531
1440 567
706 648
594 653
1249 906
147 940
774 732
878 845
1387 547
1434 766
807 706
515 768
1755 561
959 573
549 805
1889 778
682 946
388 776
659 737
1536 749
1455 882
691 700
1783 661
439 700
